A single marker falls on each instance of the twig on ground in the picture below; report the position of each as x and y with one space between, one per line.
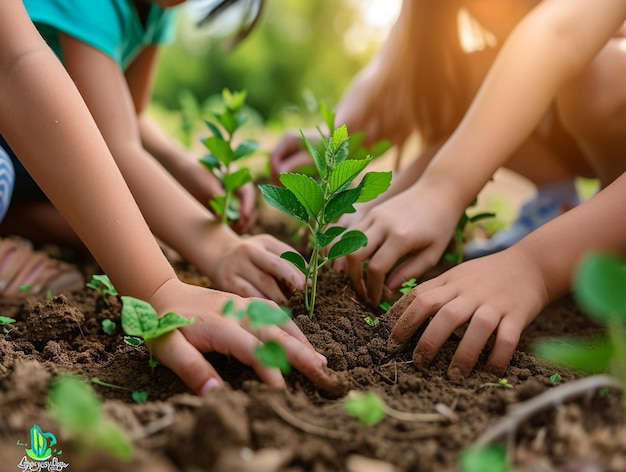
519 412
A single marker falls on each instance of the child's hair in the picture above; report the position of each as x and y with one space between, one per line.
252 13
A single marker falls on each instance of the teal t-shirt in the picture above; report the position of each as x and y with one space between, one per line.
111 26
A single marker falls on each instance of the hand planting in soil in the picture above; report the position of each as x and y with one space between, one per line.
222 155
78 411
259 314
319 204
140 319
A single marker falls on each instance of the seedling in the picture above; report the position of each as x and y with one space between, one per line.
456 257
5 321
556 379
140 319
102 285
78 411
484 459
260 314
373 321
599 289
138 397
405 288
25 288
370 409
108 326
222 155
502 383
319 204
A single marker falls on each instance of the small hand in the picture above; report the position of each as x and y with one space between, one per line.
182 350
413 227
501 293
251 267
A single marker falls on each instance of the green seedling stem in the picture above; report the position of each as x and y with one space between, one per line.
319 203
137 396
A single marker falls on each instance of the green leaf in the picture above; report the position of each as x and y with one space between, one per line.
320 162
228 120
168 322
101 284
140 397
366 406
296 259
237 179
108 437
228 307
339 137
328 115
306 190
108 326
221 149
132 340
234 101
4 320
284 200
211 163
246 148
214 129
261 314
599 286
587 356
138 317
481 216
217 204
272 354
72 403
341 203
380 147
349 242
373 184
483 459
345 172
324 239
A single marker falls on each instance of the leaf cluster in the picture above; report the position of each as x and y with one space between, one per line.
101 284
223 154
319 203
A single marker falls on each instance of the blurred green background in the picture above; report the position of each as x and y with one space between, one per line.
299 52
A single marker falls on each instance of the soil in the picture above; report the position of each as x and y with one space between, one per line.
246 426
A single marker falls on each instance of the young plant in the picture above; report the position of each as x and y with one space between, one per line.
102 285
405 288
260 314
484 459
137 396
599 289
222 154
456 257
501 383
78 411
320 203
370 409
5 321
108 326
140 319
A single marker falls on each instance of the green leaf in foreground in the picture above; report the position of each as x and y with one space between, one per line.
272 354
483 459
5 320
78 411
367 407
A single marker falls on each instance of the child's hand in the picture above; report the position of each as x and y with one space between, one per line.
182 350
501 293
415 226
251 267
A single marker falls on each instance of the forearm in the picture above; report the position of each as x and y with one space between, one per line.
78 173
558 246
545 50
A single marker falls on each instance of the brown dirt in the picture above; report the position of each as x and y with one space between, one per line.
247 426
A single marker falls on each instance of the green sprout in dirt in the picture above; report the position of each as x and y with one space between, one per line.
556 379
140 319
370 409
483 459
101 284
405 288
109 326
501 383
373 321
78 411
456 257
222 154
5 321
259 314
319 204
137 396
599 289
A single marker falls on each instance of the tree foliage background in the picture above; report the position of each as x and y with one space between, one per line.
300 51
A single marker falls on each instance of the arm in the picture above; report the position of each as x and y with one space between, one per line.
188 171
82 180
249 267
